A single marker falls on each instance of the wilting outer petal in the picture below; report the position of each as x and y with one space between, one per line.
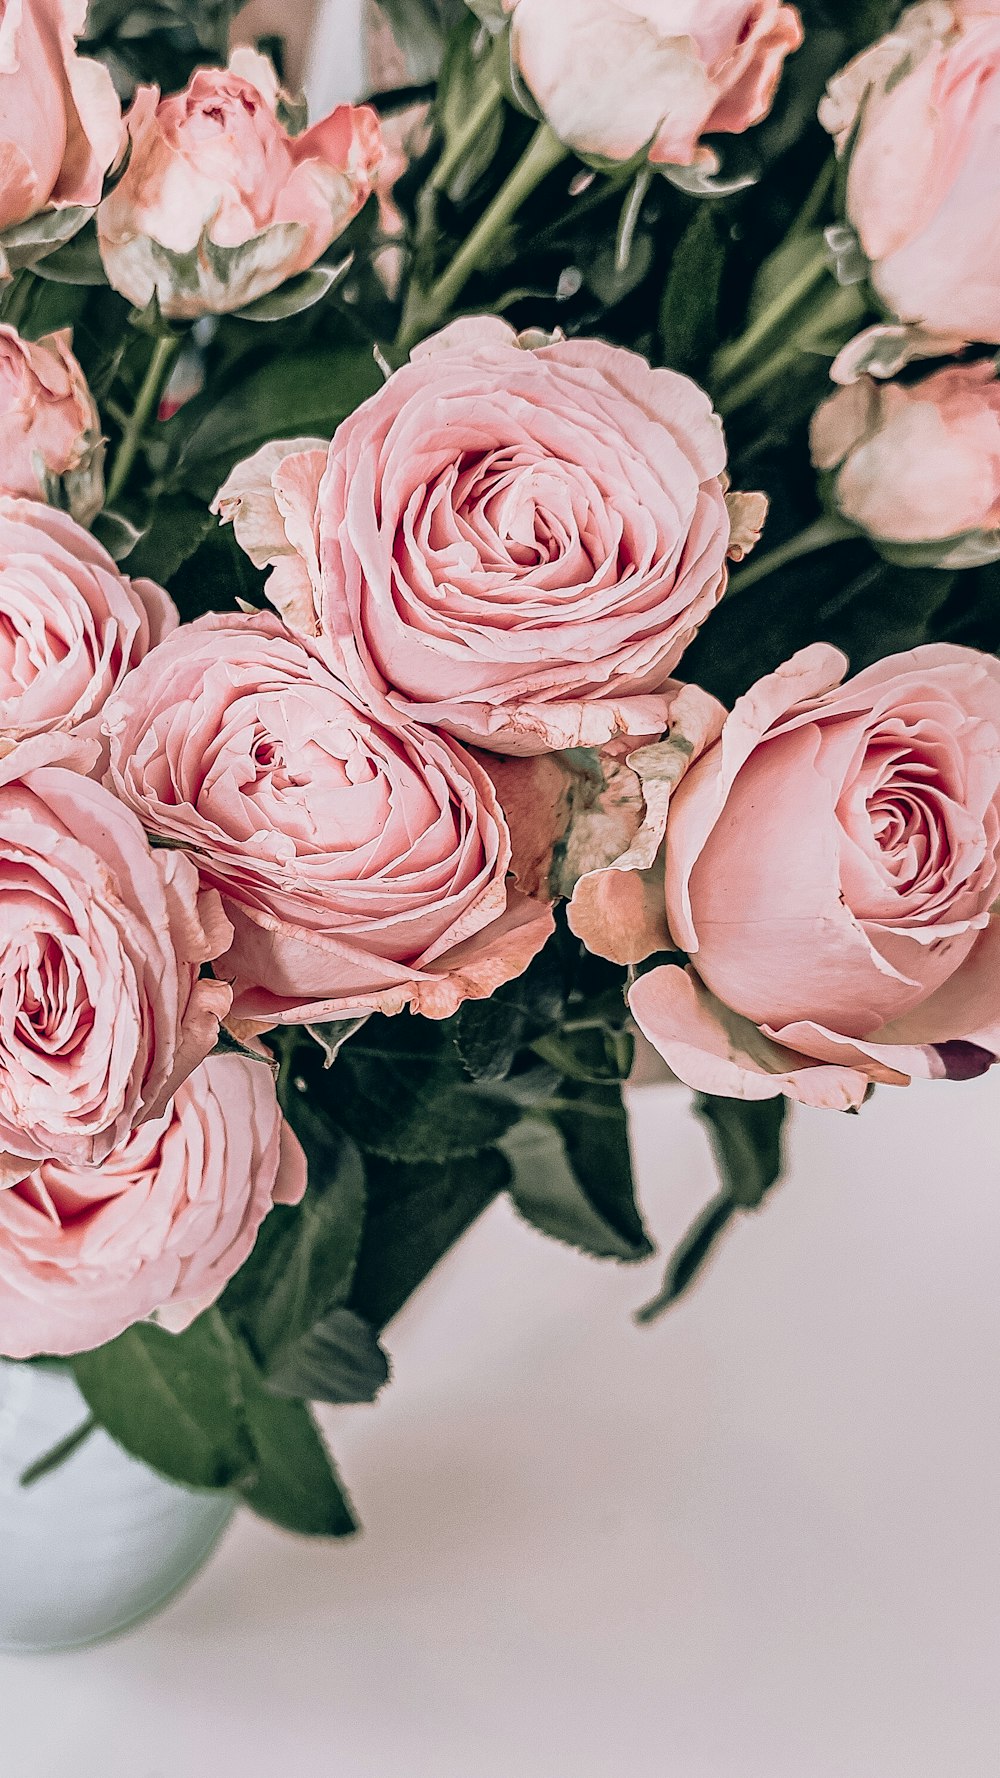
513 540
270 499
917 114
75 624
363 864
160 1228
617 906
103 1010
615 77
219 204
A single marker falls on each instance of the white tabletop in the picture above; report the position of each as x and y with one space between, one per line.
759 1540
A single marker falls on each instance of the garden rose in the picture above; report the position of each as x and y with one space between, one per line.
160 1227
832 870
363 864
919 113
50 432
60 120
513 540
71 625
219 204
616 77
102 1009
918 463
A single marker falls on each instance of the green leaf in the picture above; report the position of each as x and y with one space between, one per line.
174 1401
689 310
417 1106
294 297
558 1196
117 533
294 1481
593 1123
415 1214
489 1033
25 243
288 397
178 524
339 1360
304 1259
746 1137
77 261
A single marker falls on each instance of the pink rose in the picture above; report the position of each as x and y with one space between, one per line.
363 864
831 869
918 115
102 1009
71 625
160 1227
918 463
617 77
51 446
512 541
220 204
60 120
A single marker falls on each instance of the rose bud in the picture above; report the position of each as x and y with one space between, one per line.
512 540
363 863
219 203
832 867
917 465
71 624
916 113
617 78
159 1228
51 446
60 124
103 1010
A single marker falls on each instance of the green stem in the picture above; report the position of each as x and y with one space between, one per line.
812 209
147 402
60 1453
732 358
467 137
815 537
425 310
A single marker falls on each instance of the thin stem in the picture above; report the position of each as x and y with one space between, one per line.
733 357
815 537
426 309
147 401
812 209
60 1453
467 137
834 312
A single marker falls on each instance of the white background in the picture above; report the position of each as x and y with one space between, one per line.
759 1540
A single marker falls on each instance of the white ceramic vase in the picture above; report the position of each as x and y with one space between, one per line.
99 1542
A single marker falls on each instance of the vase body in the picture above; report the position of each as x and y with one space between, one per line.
99 1542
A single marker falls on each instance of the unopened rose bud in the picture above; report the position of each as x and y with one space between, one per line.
50 435
220 203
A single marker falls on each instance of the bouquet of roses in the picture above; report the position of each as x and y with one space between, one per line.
389 730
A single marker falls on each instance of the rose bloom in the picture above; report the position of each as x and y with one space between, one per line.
512 540
71 624
50 432
103 1011
160 1227
60 120
831 867
916 462
919 113
219 204
616 77
363 865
